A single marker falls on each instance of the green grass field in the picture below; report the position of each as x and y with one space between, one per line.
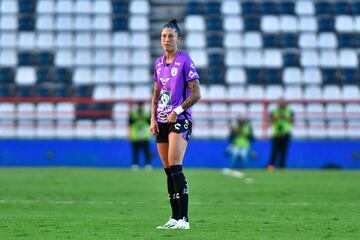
78 203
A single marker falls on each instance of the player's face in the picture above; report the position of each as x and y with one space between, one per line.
169 39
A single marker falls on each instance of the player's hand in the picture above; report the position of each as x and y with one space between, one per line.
172 117
154 127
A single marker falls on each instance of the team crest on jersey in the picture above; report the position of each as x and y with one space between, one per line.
164 80
174 71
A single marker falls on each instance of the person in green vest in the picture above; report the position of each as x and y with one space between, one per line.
139 122
241 137
282 119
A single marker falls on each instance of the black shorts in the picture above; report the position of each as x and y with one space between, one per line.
181 126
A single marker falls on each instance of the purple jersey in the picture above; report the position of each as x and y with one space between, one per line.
172 81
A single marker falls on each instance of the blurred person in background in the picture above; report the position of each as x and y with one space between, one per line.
240 139
176 89
282 118
139 122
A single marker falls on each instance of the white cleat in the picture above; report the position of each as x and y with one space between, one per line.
169 225
182 224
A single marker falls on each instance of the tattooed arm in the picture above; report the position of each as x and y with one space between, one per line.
154 127
195 95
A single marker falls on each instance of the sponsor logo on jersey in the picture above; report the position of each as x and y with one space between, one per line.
174 71
158 70
164 80
177 63
192 74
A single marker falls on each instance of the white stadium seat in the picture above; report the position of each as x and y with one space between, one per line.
344 23
289 24
65 111
292 75
83 6
233 23
102 92
235 75
104 129
270 24
232 40
230 7
45 111
252 40
25 76
308 40
194 23
139 7
304 7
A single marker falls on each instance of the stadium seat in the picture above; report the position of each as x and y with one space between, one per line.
272 58
65 111
350 92
216 75
255 76
25 111
293 93
234 58
64 6
212 7
7 75
288 24
250 7
334 111
342 8
230 7
8 111
121 75
44 58
9 6
25 76
8 23
83 6
64 40
326 24
268 8
82 129
216 91
45 111
199 57
43 91
25 129
82 40
120 7
330 76
121 57
102 7
286 8
121 39
104 129
213 23
64 58
308 24
195 40
102 75
289 40
45 41
255 92
45 23
231 40
83 76
122 92
120 23
316 130
353 129
307 40
344 23
139 7
63 75
194 23
45 129
236 93
273 92
7 90
214 40
62 91
312 76
141 92
292 75
312 93
102 92
103 57
140 75
331 92
309 58
101 23
336 129
328 59
327 40
26 40
139 22
218 111
7 129
251 23
120 112
83 58
271 40
24 91
253 58
270 24
8 40
235 75
140 40
304 7
291 58
45 6
64 22
323 7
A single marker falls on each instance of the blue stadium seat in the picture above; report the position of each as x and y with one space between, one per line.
323 7
26 59
289 40
7 75
255 75
251 23
330 76
7 90
83 91
43 91
216 59
45 75
26 23
63 90
27 6
194 8
212 7
342 8
272 76
269 8
291 58
326 23
347 40
120 7
286 8
45 58
250 7
63 75
357 41
119 23
103 110
25 91
214 40
356 8
214 23
271 40
348 76
216 75
83 111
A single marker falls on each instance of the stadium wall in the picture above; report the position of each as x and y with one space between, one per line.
313 154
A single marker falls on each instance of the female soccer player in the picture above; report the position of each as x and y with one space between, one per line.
176 89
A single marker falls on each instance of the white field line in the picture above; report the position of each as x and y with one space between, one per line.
94 202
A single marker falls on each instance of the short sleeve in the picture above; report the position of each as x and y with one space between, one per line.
190 70
155 78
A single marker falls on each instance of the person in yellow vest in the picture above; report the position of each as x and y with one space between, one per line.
282 119
139 122
240 139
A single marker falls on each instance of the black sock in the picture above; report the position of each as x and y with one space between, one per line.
172 195
181 189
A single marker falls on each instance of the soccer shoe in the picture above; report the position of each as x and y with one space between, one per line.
181 224
169 225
